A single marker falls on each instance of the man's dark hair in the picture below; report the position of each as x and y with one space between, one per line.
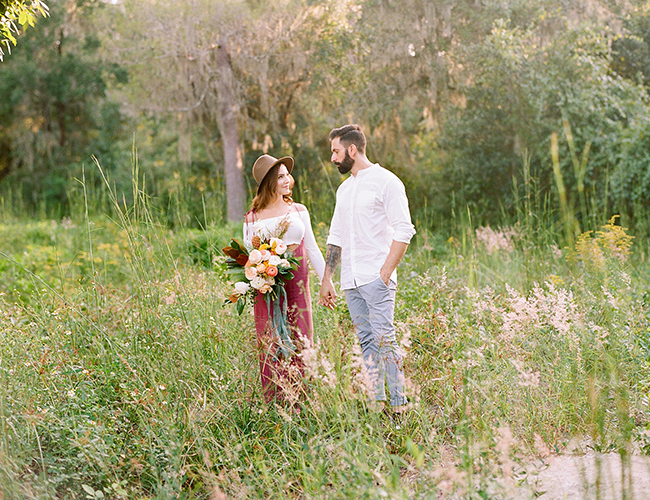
350 134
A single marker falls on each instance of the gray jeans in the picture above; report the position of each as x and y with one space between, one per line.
372 308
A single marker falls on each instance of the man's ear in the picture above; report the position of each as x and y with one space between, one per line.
352 150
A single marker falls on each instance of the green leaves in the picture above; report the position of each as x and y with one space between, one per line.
526 85
240 305
21 12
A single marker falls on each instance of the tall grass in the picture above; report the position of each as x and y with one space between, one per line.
123 375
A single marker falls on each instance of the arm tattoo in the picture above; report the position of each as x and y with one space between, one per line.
332 258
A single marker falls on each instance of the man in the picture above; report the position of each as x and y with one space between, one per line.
370 232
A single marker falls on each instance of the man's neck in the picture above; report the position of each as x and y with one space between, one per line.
360 163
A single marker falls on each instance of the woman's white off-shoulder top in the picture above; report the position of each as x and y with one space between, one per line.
299 229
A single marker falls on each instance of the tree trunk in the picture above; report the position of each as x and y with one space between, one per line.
229 129
184 141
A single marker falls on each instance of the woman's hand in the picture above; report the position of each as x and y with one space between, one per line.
327 294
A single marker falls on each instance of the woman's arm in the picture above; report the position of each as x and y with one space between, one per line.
313 251
249 220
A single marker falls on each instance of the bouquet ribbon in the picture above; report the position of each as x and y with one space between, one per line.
281 331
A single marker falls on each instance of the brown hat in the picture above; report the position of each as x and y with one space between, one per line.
265 163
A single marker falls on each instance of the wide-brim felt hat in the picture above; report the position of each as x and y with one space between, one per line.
265 163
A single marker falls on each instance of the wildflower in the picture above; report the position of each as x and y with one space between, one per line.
527 378
367 372
170 299
309 357
496 240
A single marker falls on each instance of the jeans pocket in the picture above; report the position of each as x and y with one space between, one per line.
381 282
391 284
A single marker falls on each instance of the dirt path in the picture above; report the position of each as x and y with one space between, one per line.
562 477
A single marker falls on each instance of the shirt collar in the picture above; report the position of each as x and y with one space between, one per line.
363 172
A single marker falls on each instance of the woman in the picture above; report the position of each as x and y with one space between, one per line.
273 211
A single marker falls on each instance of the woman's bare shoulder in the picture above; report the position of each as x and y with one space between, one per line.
300 207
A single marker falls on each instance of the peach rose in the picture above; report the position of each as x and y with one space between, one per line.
265 288
272 271
250 272
261 268
255 257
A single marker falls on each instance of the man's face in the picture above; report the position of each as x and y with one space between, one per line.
341 157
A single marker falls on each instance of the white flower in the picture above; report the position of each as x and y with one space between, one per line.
281 248
270 281
255 257
274 260
241 288
257 282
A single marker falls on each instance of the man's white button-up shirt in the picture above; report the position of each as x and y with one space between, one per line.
371 212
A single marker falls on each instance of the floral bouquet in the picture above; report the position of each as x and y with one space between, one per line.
265 270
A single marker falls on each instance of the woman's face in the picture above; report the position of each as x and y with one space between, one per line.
284 181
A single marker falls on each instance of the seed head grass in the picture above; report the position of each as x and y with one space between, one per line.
124 375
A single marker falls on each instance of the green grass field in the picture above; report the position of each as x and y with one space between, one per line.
124 375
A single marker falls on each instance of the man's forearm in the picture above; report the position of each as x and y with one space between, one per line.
332 259
395 255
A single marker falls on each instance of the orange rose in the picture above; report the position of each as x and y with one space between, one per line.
272 271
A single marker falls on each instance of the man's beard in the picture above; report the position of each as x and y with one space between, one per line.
346 165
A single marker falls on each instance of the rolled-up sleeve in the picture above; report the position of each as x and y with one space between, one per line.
397 211
334 236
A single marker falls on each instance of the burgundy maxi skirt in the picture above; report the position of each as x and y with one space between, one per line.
281 378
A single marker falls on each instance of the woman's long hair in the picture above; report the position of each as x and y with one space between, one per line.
268 190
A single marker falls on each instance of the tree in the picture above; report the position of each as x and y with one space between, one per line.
21 12
54 114
232 67
527 83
